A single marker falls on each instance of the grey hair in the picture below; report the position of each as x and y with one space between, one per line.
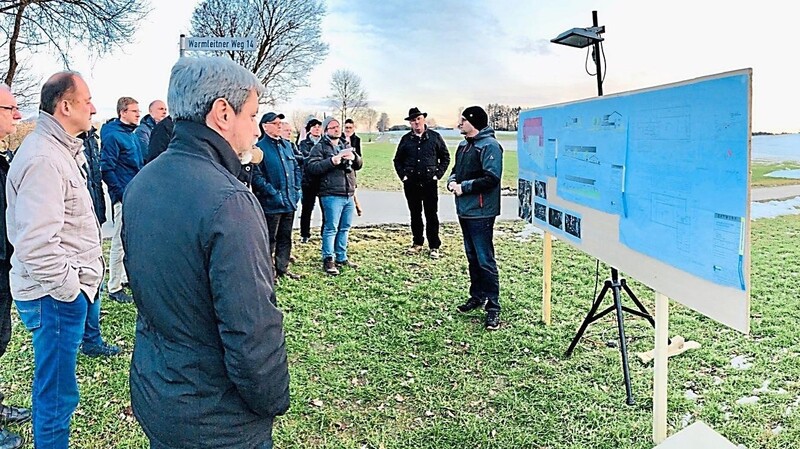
197 82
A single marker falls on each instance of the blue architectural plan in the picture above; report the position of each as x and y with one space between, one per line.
671 163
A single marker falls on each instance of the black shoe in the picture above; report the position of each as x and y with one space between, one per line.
102 350
14 415
330 267
290 275
120 297
471 304
304 239
9 440
492 320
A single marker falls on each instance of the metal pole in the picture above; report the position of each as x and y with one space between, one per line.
182 44
596 55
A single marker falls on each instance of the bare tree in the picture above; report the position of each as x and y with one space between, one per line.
60 24
383 122
370 116
287 33
26 82
347 94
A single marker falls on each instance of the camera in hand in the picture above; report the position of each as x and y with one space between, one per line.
346 165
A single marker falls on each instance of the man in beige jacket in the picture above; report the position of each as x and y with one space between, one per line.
57 265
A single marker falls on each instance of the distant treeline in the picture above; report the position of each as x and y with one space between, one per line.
502 117
762 133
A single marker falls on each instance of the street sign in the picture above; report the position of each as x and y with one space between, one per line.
220 44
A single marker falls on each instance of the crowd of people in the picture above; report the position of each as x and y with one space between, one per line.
203 229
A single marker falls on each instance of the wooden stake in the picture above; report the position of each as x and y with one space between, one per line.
547 273
660 371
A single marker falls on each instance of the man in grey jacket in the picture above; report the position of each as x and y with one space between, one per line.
57 264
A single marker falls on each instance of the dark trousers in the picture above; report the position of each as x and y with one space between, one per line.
423 196
309 200
5 308
479 247
280 239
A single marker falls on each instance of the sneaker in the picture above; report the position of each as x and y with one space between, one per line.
330 267
102 350
120 297
9 440
471 304
492 320
416 249
347 263
304 239
435 253
14 415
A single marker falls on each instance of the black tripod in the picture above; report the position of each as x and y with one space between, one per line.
615 283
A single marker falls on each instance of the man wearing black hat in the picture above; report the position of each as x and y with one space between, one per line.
310 185
420 162
276 184
475 181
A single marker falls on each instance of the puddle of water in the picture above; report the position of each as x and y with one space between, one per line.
790 174
775 208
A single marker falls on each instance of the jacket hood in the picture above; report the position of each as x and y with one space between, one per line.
148 121
116 125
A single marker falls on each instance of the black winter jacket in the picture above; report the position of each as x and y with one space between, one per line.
421 158
209 367
5 246
479 169
94 178
334 180
159 139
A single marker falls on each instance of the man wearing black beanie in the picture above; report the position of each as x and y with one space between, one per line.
475 181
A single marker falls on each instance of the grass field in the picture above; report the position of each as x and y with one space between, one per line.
378 172
379 359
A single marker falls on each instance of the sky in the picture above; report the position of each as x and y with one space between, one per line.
444 55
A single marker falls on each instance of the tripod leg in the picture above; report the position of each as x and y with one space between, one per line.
588 319
638 303
623 345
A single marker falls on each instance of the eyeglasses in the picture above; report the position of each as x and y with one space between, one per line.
10 108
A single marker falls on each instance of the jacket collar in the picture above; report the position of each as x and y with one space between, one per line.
49 126
197 138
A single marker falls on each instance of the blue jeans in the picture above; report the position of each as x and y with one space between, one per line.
479 247
91 333
338 212
57 329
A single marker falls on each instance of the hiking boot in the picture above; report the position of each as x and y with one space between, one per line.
9 440
330 267
492 320
471 304
416 249
102 350
347 263
120 297
435 253
14 415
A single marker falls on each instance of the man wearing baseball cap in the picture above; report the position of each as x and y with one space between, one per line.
475 181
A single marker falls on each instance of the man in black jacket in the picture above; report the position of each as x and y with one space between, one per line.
159 139
93 344
310 184
335 167
420 162
350 136
209 367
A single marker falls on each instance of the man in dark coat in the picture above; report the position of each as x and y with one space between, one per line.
335 166
156 112
310 185
421 161
276 184
475 182
209 367
159 139
9 116
93 344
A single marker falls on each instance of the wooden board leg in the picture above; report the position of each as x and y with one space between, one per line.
547 273
660 371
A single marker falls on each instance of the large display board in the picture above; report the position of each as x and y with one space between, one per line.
654 182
